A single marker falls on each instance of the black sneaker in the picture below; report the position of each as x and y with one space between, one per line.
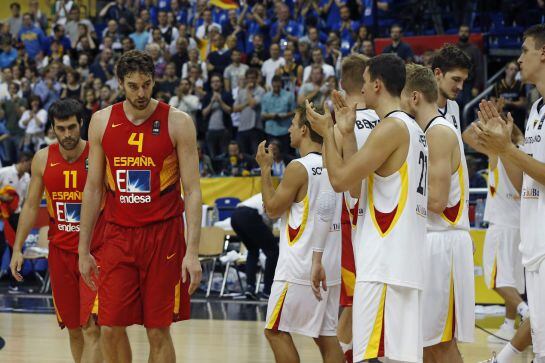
14 290
250 293
264 296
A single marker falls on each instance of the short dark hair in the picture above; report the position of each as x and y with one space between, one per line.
537 32
64 109
15 5
25 156
135 61
276 78
301 110
449 58
33 98
252 72
390 69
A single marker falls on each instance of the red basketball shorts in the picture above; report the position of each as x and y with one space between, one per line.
140 275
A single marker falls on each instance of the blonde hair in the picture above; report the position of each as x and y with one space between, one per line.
421 79
352 69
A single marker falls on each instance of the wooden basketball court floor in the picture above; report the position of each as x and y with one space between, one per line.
221 331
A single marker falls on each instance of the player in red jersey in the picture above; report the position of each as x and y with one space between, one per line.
61 169
143 147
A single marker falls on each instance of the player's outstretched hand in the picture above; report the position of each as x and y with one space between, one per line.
88 270
317 278
344 114
320 123
16 265
192 266
493 132
263 157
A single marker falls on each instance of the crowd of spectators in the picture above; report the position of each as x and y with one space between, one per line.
238 72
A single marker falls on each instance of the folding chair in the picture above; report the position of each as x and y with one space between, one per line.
225 207
211 247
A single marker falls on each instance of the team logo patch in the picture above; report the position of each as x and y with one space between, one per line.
156 127
136 181
73 212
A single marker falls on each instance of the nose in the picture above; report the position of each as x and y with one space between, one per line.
141 92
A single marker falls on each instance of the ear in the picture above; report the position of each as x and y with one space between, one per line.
437 72
415 96
377 85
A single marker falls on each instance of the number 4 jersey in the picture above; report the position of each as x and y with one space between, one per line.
142 169
63 184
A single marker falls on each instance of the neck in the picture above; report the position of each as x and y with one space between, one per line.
386 105
18 168
355 97
509 80
441 100
72 155
138 116
396 42
424 113
540 84
308 146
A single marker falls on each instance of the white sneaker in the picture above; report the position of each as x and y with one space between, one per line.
504 334
491 360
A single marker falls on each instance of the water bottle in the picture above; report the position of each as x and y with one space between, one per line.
479 213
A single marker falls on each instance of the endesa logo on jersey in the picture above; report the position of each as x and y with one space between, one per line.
68 216
135 183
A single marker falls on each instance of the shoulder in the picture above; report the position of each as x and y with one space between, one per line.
179 118
102 116
441 132
39 161
295 171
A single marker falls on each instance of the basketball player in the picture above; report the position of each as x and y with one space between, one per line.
449 298
451 68
387 297
354 123
61 169
494 135
144 147
309 208
502 261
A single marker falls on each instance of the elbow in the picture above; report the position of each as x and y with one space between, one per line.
337 184
272 211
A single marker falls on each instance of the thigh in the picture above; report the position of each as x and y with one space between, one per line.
64 274
510 272
535 281
119 285
165 298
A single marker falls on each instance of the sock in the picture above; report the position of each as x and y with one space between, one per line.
509 322
523 310
345 346
508 354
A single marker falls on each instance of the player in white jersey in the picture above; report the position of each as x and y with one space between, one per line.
310 247
494 135
354 123
502 261
389 274
451 68
448 298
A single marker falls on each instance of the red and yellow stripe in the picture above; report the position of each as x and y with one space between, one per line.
494 272
450 323
294 234
375 346
274 321
453 214
494 188
225 4
177 298
385 222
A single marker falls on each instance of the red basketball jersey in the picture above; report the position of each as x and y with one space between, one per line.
142 169
64 183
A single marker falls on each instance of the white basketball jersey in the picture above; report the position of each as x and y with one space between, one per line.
451 112
312 224
503 200
455 215
532 205
394 228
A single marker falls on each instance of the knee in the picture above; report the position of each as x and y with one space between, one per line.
75 334
91 331
158 336
112 334
271 335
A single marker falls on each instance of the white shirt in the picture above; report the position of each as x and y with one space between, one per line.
328 71
10 176
201 30
269 67
36 124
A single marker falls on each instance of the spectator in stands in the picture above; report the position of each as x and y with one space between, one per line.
4 138
205 163
8 56
166 86
303 55
330 9
16 176
73 24
33 122
369 11
203 30
169 33
269 67
60 38
280 159
254 228
313 38
72 88
102 67
48 88
106 96
181 56
32 37
15 21
235 162
91 106
217 107
346 27
314 90
127 44
38 16
278 108
284 28
117 10
291 73
235 72
511 93
14 107
259 53
111 31
318 60
475 80
194 60
185 101
248 103
87 41
140 36
220 57
403 50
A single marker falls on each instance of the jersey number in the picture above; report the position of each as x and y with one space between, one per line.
422 161
137 140
74 178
